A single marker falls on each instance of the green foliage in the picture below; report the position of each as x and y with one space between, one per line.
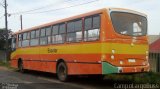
3 38
150 77
7 65
4 64
2 44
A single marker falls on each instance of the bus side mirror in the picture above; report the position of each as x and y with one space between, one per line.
13 44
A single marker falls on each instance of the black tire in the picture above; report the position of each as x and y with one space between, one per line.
62 72
20 67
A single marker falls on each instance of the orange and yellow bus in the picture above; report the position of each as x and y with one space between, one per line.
104 41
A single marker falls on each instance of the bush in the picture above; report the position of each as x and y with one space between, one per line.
6 64
149 77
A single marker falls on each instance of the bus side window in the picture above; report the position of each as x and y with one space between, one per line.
74 31
96 22
25 41
43 38
62 33
19 40
48 34
13 43
55 34
78 30
37 34
71 32
34 38
92 28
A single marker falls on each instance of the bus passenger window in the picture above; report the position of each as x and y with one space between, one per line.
37 33
48 31
55 30
25 41
78 30
62 31
24 36
19 40
78 25
92 34
34 38
60 38
92 28
13 43
43 32
62 28
88 23
78 36
43 38
71 32
58 33
96 22
74 31
28 35
48 34
71 37
55 34
70 26
32 34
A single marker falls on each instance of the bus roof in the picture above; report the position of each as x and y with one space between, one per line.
62 20
80 16
127 10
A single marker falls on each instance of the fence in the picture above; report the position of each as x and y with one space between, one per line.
154 62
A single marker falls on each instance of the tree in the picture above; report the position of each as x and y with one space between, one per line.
3 38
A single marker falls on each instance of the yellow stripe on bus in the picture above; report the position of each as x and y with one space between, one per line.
128 49
85 49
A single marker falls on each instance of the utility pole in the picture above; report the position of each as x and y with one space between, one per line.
6 26
6 14
21 22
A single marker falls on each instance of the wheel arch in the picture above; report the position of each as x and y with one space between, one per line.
59 61
19 60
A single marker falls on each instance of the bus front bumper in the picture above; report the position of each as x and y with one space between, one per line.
109 69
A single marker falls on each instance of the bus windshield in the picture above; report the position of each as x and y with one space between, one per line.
129 24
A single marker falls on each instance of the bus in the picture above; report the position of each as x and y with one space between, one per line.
100 42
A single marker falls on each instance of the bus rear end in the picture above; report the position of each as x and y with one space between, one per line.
127 43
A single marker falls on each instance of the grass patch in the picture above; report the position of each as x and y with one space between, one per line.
6 64
150 77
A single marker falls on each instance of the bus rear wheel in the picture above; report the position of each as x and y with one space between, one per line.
20 66
62 72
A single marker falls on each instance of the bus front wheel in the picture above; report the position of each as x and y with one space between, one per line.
62 72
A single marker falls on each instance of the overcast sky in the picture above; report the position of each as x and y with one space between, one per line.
44 11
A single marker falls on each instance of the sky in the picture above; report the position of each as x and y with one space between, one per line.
37 12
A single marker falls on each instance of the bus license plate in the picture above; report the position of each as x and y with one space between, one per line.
131 60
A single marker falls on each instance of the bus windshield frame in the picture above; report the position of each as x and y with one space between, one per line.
129 24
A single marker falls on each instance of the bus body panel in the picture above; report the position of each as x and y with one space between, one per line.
127 54
88 57
75 56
